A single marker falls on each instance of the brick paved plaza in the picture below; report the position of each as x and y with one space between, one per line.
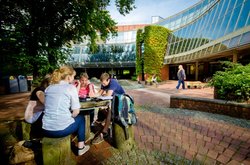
208 138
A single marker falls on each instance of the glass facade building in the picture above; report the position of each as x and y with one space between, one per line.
208 27
114 55
119 48
209 31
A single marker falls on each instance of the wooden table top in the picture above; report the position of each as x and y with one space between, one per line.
94 104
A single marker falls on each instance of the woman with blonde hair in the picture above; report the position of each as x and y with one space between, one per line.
62 107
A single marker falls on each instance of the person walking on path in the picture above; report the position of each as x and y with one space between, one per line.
62 107
181 77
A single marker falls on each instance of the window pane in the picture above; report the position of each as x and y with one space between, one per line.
184 34
234 42
243 15
224 45
231 5
216 48
174 38
233 20
224 8
217 29
239 2
172 48
171 38
224 25
202 22
245 38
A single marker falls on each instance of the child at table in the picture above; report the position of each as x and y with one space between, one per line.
84 87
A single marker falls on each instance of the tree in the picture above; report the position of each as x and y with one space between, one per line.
34 34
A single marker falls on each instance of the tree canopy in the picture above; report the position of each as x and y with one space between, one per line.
35 33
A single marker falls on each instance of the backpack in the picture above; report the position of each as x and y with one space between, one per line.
123 112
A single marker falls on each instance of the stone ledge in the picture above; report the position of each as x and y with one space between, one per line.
230 108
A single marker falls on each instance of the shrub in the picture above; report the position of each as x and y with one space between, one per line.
134 78
233 83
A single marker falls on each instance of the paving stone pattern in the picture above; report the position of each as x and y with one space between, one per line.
195 136
206 137
164 135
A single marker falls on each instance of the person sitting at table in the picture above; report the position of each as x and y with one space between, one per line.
109 87
34 110
154 80
62 107
84 87
35 105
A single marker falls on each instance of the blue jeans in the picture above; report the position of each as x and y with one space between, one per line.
78 126
179 83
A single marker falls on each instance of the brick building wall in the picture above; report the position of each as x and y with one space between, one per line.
165 73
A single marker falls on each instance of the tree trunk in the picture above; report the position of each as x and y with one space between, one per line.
120 141
57 151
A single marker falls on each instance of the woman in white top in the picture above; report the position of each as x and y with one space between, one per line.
62 107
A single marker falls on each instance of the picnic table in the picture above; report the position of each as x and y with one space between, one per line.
118 134
92 105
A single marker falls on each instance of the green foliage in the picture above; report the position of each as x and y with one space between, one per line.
134 78
155 48
33 33
233 83
125 6
155 43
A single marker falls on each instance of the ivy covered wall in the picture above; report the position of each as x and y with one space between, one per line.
154 39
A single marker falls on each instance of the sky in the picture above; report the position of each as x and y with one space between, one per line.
145 9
